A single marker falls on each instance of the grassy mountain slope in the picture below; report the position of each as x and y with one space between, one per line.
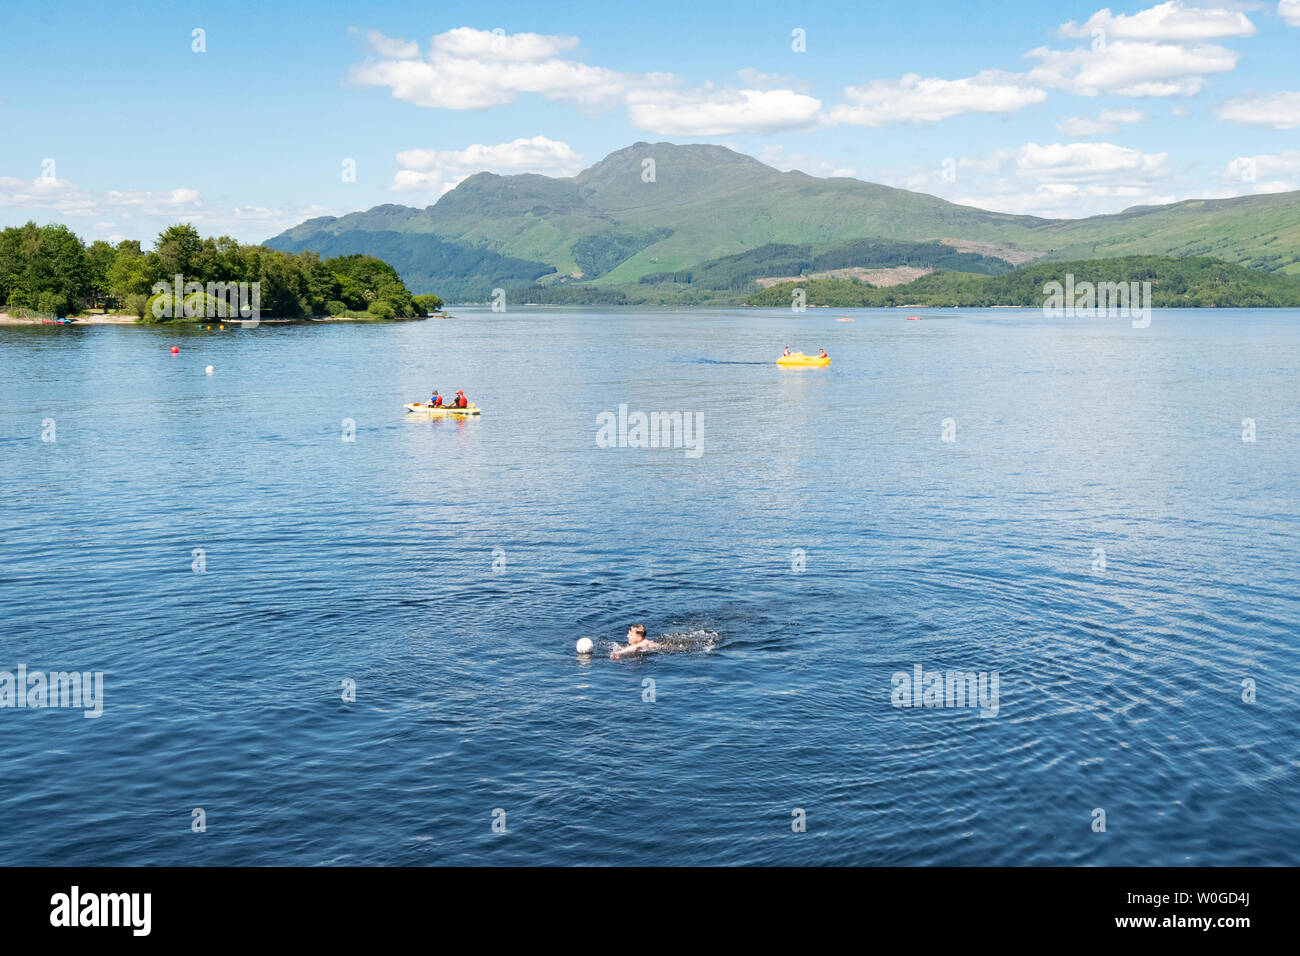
786 259
1261 232
609 226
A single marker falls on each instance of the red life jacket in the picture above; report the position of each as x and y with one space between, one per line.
462 401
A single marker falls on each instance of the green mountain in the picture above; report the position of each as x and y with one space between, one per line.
609 226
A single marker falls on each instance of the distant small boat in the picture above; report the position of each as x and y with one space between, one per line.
914 318
843 320
798 359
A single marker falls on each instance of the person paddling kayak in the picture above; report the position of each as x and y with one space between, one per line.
786 352
436 400
821 353
460 401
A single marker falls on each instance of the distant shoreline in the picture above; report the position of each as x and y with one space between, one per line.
117 319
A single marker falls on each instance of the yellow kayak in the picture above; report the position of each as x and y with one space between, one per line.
442 409
799 359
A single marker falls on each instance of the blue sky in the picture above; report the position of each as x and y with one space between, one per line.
113 124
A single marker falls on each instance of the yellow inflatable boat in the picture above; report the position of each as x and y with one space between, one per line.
799 360
442 409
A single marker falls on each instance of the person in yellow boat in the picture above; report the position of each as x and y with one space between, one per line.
460 401
786 352
636 643
436 400
821 353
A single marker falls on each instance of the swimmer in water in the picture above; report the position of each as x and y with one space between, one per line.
636 643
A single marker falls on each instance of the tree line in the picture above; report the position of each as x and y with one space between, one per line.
48 269
1190 282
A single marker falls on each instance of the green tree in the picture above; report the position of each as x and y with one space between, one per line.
281 285
43 267
180 250
99 260
132 273
351 292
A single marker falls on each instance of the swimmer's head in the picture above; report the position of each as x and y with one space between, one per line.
636 634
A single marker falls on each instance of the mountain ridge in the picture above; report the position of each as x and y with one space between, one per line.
702 202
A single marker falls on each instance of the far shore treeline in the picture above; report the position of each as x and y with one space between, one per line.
50 271
1176 282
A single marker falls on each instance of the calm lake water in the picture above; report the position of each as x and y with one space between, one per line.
1098 533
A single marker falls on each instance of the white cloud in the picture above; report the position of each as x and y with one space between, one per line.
1276 110
1064 200
1172 21
1131 68
1089 162
778 158
386 46
466 43
712 112
440 170
1107 121
151 201
917 99
1249 170
1289 10
1060 200
67 198
142 212
1057 180
469 69
1160 51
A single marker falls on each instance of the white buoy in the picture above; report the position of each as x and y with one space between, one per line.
584 645
209 370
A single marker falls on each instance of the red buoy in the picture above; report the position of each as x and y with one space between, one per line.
175 350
